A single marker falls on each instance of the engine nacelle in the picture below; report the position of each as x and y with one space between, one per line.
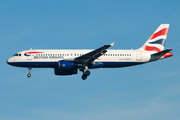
67 64
58 71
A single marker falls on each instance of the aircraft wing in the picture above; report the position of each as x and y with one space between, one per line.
91 56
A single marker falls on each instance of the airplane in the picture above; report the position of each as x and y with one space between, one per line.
69 61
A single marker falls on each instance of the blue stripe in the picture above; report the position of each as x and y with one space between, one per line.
35 64
119 64
160 41
26 55
55 64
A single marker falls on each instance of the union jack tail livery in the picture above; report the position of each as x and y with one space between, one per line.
157 40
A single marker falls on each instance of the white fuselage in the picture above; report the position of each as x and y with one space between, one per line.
68 62
50 58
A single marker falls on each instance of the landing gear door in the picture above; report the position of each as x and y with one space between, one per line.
139 55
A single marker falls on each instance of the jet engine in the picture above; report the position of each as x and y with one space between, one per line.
67 64
58 71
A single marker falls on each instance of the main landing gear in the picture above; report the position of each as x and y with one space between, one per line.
29 74
85 74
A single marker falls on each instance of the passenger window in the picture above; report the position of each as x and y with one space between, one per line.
19 54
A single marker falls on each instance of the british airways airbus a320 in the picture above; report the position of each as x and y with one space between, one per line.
67 62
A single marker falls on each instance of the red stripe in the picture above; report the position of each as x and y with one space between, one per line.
151 48
169 54
33 52
161 32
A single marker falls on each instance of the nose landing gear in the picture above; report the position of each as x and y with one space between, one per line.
29 74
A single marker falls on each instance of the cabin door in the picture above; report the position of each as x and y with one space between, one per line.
139 55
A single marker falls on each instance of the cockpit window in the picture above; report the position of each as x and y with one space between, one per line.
17 54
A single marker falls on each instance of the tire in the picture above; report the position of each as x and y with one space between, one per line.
28 75
84 77
87 73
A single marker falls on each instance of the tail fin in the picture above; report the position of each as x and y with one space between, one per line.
157 40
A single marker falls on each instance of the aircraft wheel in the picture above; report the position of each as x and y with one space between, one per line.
84 77
28 75
87 73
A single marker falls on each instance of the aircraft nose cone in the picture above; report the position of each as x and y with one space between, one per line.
8 61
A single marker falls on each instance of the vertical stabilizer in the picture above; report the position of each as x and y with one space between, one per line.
157 40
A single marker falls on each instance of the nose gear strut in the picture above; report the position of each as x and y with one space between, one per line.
29 74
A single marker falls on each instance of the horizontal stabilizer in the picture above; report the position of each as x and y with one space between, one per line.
161 55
